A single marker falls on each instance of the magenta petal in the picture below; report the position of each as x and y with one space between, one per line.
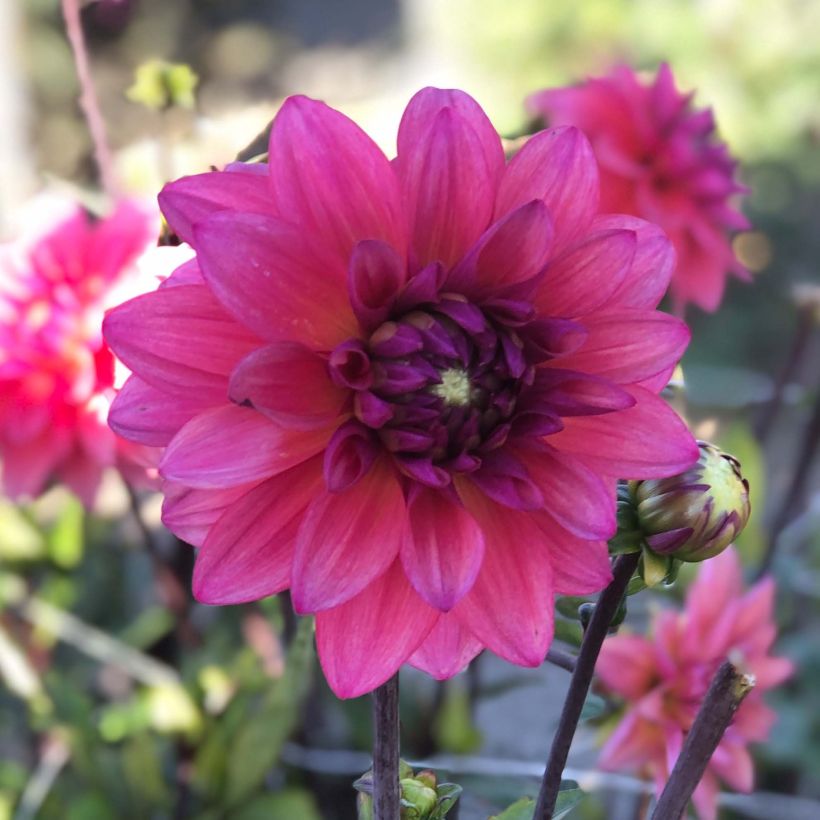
149 416
178 339
249 551
363 642
350 453
446 650
652 266
190 513
629 346
331 180
189 200
586 276
513 250
558 167
510 607
504 478
443 547
576 497
289 384
274 279
374 279
230 445
648 440
348 539
573 393
447 186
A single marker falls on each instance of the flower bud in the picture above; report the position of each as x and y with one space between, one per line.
422 797
697 514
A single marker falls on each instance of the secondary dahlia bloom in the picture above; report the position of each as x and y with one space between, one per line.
56 372
401 389
660 160
664 679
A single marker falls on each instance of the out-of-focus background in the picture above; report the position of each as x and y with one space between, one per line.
118 697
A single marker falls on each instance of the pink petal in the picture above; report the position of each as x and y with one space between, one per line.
513 250
733 763
375 277
586 276
705 797
626 666
289 384
190 200
446 650
558 167
652 266
190 513
82 475
630 746
350 454
576 497
503 478
348 539
648 440
149 416
249 551
364 641
629 346
573 393
178 339
331 180
274 280
116 241
230 445
447 185
510 607
28 466
442 549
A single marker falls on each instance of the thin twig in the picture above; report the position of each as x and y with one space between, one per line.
726 692
88 97
386 797
56 753
605 610
562 659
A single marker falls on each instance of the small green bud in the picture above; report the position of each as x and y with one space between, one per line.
422 796
418 799
697 514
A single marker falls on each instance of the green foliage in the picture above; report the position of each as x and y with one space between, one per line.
568 798
159 84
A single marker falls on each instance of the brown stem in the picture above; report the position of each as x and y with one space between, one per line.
562 659
726 693
386 796
605 610
88 97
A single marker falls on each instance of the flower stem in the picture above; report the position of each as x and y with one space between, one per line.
602 617
88 97
726 692
386 805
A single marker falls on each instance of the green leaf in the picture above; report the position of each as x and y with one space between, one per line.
159 84
568 631
288 804
594 706
66 539
453 727
568 799
448 794
522 809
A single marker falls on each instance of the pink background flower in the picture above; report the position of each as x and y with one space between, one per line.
664 679
56 373
660 160
403 389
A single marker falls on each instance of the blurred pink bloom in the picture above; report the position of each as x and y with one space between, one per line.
660 160
56 372
664 679
402 389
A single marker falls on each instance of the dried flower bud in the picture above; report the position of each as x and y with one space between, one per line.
697 514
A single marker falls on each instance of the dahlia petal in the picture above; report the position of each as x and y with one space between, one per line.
188 273
230 445
629 346
375 277
363 642
503 478
82 475
447 186
272 278
705 797
347 540
513 250
116 241
350 453
190 513
178 339
442 549
149 416
331 179
28 466
587 275
573 393
652 266
510 607
558 167
446 650
648 440
733 763
576 497
626 666
630 746
249 551
289 384
192 199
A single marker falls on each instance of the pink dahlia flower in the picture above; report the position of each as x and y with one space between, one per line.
401 389
56 372
660 160
664 679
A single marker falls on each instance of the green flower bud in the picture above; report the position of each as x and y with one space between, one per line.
418 799
697 514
